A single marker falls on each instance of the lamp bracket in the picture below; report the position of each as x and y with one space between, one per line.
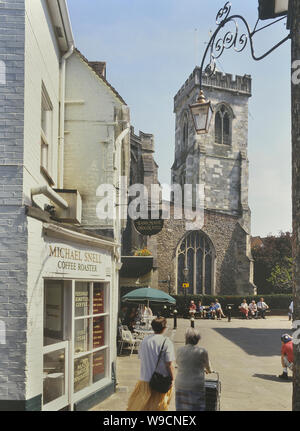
233 39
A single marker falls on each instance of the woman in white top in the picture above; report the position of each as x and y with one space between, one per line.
244 308
143 398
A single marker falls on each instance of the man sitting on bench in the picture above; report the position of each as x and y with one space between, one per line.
262 307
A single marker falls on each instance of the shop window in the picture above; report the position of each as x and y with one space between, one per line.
53 312
91 334
54 376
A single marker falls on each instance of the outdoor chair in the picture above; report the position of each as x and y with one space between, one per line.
128 338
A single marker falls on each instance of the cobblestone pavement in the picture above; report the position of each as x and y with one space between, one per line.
246 353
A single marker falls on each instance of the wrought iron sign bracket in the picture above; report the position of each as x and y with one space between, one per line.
232 39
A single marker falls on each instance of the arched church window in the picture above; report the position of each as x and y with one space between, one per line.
196 252
223 120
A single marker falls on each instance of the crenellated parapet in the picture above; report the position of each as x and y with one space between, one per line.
224 81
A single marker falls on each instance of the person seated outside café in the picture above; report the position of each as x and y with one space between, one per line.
244 308
219 311
192 309
261 308
201 310
211 313
145 312
287 355
253 309
131 318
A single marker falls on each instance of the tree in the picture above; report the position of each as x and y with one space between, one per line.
282 276
271 251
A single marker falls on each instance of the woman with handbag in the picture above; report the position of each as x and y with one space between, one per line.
154 389
192 362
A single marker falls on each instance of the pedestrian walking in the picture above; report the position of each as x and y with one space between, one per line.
192 362
287 355
156 354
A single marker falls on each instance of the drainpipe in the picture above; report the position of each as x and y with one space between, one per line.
118 168
62 116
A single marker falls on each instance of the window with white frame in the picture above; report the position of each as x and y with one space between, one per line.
46 132
91 334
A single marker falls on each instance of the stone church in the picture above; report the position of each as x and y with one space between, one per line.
218 257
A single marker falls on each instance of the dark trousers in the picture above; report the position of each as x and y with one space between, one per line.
261 313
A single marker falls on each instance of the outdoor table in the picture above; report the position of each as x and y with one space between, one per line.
143 332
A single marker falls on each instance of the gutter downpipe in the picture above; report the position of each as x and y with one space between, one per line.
62 115
118 168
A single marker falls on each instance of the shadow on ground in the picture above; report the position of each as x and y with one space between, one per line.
272 377
256 342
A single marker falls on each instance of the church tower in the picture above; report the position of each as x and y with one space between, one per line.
217 159
215 259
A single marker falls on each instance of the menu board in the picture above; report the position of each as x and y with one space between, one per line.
98 299
81 373
98 366
98 332
81 299
81 335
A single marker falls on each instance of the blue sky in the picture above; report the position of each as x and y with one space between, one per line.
151 47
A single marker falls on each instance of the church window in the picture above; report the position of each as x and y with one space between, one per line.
196 252
223 120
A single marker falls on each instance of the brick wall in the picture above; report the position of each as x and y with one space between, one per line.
13 227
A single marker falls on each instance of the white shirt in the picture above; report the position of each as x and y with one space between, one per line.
262 305
252 306
149 352
291 307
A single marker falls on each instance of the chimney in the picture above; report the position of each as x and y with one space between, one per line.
99 67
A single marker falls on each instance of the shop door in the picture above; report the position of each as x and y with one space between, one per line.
56 348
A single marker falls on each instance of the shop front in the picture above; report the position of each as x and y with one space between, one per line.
77 285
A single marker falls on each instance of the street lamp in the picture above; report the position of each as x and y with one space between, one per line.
185 274
268 9
202 112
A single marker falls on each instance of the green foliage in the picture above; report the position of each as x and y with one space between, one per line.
274 251
275 302
281 276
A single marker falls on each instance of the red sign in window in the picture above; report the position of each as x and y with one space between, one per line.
98 299
98 332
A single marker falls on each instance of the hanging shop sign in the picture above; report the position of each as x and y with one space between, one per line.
149 226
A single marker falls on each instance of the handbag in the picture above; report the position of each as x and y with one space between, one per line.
158 382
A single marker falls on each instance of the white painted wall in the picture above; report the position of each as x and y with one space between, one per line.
89 141
41 65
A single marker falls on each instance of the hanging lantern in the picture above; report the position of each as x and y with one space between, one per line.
202 114
268 9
